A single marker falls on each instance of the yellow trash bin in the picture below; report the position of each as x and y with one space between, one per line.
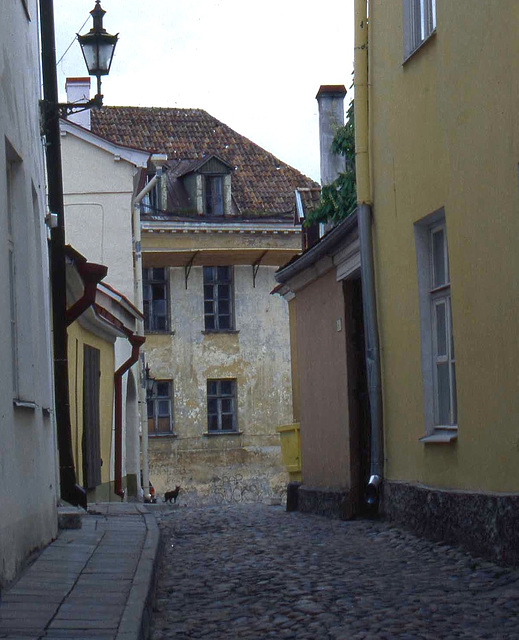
290 438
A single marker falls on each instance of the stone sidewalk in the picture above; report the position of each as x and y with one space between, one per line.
94 582
254 572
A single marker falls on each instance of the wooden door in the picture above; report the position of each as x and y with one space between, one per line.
91 423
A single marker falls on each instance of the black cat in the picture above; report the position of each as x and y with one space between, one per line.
171 495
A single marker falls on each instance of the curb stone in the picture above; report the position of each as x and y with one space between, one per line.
136 619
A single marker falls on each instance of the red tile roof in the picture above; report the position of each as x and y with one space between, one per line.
262 185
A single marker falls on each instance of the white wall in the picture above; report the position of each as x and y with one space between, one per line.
28 473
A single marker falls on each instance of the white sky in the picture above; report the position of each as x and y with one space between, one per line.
255 66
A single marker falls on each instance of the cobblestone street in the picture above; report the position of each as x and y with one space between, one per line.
255 571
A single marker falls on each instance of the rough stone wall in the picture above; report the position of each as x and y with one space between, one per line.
484 523
242 467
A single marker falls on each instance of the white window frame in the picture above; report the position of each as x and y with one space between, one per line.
432 295
419 24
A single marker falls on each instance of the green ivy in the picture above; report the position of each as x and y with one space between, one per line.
339 198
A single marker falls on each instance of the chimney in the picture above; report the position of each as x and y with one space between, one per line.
330 99
78 90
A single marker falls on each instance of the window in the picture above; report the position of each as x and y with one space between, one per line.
419 23
151 204
443 344
218 298
221 405
160 408
438 361
155 294
213 196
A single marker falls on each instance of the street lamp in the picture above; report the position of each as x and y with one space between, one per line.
150 383
98 48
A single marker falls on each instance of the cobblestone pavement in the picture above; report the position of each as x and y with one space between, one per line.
254 571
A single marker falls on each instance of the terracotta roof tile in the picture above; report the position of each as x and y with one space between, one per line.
262 184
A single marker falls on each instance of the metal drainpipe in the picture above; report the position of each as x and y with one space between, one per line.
69 489
136 342
137 252
364 216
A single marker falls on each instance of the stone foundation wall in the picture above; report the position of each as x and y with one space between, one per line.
332 503
485 524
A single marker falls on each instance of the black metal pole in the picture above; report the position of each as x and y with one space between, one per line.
70 490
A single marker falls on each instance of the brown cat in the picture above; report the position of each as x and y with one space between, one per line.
172 495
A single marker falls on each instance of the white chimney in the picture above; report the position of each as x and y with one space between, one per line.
330 99
78 90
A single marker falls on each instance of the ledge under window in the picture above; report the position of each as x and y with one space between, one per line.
419 46
162 435
210 331
442 435
223 433
159 333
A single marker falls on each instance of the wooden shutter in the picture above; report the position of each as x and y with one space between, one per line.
91 426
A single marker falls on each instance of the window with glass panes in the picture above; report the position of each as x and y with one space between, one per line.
221 405
213 196
160 408
444 374
155 299
419 23
218 298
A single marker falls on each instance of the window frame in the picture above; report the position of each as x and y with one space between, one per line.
219 397
435 352
153 400
217 300
150 316
419 24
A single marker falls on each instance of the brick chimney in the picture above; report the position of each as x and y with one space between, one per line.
78 90
330 99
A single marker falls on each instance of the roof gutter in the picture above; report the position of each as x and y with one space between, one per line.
136 343
158 160
91 274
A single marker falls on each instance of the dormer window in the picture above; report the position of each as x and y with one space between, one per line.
213 195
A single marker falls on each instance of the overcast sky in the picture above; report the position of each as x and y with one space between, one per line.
255 66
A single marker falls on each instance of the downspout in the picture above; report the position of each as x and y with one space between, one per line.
91 274
136 342
137 267
364 216
69 489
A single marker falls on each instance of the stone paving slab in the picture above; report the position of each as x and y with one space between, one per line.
94 582
254 572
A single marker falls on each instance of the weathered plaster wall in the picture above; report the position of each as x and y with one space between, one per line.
28 471
242 467
445 133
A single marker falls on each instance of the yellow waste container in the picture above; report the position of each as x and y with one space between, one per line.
290 437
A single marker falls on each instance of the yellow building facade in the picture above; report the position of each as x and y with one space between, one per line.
444 153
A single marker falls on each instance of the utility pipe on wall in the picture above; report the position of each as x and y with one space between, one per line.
69 488
364 214
158 159
136 343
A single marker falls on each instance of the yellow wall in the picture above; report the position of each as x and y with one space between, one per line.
445 133
77 338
